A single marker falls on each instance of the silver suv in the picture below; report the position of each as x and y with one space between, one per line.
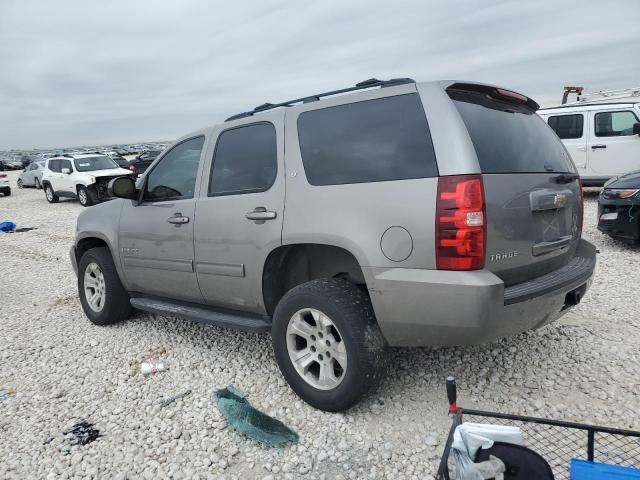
400 214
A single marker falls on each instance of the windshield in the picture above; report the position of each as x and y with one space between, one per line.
89 164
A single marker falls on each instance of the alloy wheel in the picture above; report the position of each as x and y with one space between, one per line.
95 291
316 349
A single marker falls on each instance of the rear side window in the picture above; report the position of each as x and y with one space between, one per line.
245 160
54 165
510 138
614 124
371 141
65 164
567 126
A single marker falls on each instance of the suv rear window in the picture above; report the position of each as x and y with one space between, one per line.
510 138
370 141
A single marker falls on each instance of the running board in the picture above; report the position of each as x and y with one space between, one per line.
237 321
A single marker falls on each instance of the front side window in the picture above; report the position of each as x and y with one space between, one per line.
174 178
371 141
614 124
245 160
89 164
567 126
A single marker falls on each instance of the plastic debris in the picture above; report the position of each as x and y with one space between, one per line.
7 227
81 433
167 401
152 366
7 392
251 422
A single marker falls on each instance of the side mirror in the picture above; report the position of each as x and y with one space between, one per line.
66 171
636 128
122 187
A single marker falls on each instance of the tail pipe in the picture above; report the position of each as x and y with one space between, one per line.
452 395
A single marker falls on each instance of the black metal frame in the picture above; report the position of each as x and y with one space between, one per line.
372 82
443 469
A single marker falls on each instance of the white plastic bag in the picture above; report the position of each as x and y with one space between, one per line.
468 438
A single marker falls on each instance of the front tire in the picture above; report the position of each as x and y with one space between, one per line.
103 298
50 195
86 196
328 344
7 192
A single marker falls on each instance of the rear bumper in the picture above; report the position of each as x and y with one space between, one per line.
436 307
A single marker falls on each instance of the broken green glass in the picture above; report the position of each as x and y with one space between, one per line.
245 419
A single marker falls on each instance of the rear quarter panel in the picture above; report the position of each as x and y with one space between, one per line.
355 216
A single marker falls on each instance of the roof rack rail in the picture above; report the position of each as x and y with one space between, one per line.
370 83
604 95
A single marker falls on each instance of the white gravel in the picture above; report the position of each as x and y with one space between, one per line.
584 368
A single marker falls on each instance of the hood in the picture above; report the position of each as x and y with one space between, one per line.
628 180
110 172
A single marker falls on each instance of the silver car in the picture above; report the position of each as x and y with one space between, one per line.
392 213
32 175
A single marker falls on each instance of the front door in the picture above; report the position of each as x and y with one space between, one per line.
240 216
156 235
613 148
66 179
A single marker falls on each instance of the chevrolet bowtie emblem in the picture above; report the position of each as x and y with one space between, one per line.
560 200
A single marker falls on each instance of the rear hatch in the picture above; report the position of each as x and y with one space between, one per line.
532 190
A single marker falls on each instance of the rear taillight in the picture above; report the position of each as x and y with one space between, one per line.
3 175
581 207
461 228
132 168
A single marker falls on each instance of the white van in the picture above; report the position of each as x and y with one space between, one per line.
601 132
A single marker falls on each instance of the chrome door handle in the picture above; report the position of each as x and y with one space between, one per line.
178 219
260 214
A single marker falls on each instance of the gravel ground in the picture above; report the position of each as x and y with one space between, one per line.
584 367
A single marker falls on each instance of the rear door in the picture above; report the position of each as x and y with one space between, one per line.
614 149
532 191
240 215
571 128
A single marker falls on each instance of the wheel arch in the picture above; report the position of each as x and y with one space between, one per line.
290 265
91 240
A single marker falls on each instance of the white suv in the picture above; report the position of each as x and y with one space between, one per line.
82 176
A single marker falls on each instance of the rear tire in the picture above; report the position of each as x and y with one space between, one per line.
338 326
37 184
20 184
7 192
103 298
49 194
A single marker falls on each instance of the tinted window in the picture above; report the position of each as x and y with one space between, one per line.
510 138
175 176
245 160
371 141
54 165
65 164
567 126
614 124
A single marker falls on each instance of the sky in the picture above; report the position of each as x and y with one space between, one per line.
78 72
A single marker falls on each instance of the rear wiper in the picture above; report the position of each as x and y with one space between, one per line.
566 178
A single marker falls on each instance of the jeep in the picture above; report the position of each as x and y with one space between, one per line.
391 213
83 176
